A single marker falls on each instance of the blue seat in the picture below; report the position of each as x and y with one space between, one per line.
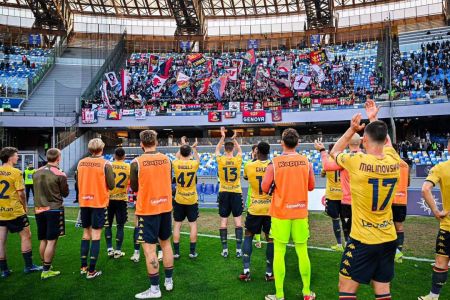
209 189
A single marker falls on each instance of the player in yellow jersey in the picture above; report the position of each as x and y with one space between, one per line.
13 211
374 175
186 198
230 192
118 199
439 174
333 194
258 211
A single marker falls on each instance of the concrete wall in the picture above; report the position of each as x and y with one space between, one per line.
75 151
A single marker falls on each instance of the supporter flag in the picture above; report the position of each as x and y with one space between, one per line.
182 81
280 88
104 92
237 63
337 68
164 68
113 114
218 87
153 63
304 57
233 106
112 78
202 86
88 116
317 57
125 81
232 73
243 85
301 82
214 116
140 113
196 59
251 56
277 114
209 66
174 89
284 67
319 72
157 83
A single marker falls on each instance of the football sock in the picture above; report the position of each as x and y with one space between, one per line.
258 237
400 240
119 236
346 225
279 267
137 246
347 296
47 266
176 247
108 236
247 251
337 230
95 250
84 252
3 265
168 272
223 237
154 279
192 246
158 247
269 257
304 266
438 279
239 232
28 258
383 297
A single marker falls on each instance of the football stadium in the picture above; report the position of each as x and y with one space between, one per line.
225 149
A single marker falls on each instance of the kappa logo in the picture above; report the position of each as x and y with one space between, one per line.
349 254
344 271
346 262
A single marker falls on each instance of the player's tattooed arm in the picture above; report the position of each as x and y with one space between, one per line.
429 199
236 143
221 141
134 180
195 151
342 143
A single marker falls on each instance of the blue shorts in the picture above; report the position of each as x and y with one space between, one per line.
154 228
443 243
96 218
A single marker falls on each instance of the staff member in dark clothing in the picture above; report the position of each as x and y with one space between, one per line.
28 177
50 187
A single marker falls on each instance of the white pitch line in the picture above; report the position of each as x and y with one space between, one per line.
290 245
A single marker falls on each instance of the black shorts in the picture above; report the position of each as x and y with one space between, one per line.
363 263
118 209
443 243
15 225
333 208
230 203
152 228
399 212
50 225
182 211
96 218
346 211
255 224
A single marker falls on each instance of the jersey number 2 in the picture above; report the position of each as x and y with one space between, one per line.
375 182
4 189
119 184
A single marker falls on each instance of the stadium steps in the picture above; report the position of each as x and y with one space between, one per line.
415 38
61 88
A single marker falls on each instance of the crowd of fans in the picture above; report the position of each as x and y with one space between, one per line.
270 77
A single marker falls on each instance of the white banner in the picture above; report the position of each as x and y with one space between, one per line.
101 113
234 106
140 114
127 112
112 78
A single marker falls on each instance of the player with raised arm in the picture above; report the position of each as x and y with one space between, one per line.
439 174
230 192
258 211
151 178
117 207
186 198
333 194
257 237
13 211
374 175
95 178
289 178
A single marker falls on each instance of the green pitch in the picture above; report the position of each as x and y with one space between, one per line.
208 277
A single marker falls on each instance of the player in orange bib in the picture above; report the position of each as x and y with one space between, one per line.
399 208
95 178
151 178
289 178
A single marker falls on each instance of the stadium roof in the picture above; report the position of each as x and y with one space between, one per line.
212 8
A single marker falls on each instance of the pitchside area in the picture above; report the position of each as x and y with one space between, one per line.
210 276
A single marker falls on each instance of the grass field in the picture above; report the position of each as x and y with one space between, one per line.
210 276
